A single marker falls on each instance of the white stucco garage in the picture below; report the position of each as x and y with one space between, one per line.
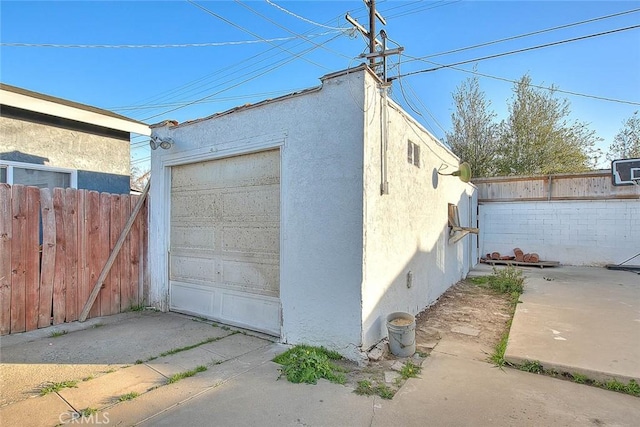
310 217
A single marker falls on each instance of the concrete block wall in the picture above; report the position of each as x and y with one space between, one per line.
592 232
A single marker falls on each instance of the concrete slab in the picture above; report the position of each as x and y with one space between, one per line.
258 398
31 359
183 361
104 391
49 410
466 330
579 319
455 391
235 345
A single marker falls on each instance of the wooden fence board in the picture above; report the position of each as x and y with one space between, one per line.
32 265
103 252
134 255
114 274
54 245
59 289
83 255
71 260
5 259
18 258
144 252
125 257
93 213
48 263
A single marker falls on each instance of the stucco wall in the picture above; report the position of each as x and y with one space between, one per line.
320 136
61 147
406 230
595 232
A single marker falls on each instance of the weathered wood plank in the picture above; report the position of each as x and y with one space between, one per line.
59 284
32 269
112 256
48 264
125 256
113 278
134 256
81 246
5 259
105 250
18 257
144 253
93 214
71 260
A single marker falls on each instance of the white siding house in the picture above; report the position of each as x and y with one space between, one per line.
271 217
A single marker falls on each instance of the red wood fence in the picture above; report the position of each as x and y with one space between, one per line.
53 248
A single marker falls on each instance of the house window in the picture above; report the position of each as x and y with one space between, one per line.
33 175
413 153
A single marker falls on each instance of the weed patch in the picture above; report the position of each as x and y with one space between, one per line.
508 280
366 388
87 412
56 387
56 334
532 366
307 364
128 396
186 374
410 370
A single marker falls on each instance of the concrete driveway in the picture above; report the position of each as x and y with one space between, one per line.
582 320
134 353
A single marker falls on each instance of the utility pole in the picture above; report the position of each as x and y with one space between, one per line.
370 34
372 31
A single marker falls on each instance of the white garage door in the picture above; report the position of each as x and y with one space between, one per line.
225 240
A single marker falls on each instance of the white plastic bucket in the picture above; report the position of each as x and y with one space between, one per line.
402 334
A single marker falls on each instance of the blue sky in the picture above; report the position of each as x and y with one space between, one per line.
145 83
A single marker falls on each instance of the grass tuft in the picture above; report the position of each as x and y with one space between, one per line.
532 366
56 387
87 412
307 364
410 370
56 334
366 388
128 396
186 374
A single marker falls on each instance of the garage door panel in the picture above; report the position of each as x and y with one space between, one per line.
225 239
260 278
256 203
190 205
195 236
251 239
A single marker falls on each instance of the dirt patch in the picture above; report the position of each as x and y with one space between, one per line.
465 312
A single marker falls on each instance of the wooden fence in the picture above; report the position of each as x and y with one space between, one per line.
53 248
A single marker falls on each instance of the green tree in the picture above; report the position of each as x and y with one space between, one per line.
538 137
626 144
474 137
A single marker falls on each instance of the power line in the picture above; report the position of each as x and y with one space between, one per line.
222 18
422 9
559 27
497 55
292 32
305 19
504 79
157 46
223 99
237 84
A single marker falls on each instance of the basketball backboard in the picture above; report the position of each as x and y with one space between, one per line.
625 171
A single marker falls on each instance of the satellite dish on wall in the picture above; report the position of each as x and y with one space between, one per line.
463 172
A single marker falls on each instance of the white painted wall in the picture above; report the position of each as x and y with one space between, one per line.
596 232
407 229
320 136
345 249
